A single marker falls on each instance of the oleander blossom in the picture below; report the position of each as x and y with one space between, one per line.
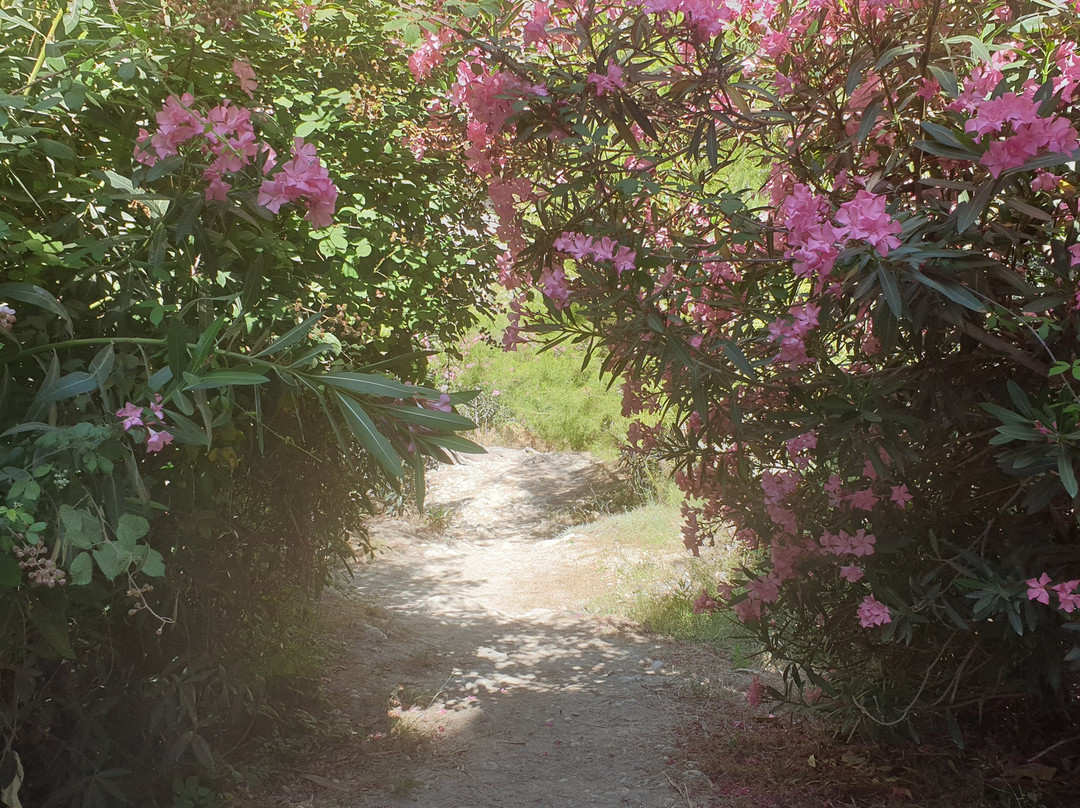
130 416
156 441
226 135
302 179
873 612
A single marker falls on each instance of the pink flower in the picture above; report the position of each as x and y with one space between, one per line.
7 317
900 496
873 613
536 28
1068 600
862 543
156 408
1074 256
865 218
851 573
704 604
928 88
156 441
864 500
131 414
755 695
609 82
243 71
217 190
1045 181
624 259
1037 589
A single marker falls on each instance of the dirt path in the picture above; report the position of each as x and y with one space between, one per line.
482 649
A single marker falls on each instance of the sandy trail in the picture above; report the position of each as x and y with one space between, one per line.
485 649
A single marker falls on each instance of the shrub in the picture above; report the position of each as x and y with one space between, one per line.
870 360
218 258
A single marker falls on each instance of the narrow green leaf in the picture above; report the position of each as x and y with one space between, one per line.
361 425
370 385
291 337
35 296
1065 469
69 386
955 292
435 419
226 378
892 292
455 443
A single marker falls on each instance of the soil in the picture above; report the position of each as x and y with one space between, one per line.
474 674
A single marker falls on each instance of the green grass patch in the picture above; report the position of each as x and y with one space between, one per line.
543 399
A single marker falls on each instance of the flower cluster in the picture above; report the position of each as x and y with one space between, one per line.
7 317
873 612
226 136
1039 589
132 416
1015 116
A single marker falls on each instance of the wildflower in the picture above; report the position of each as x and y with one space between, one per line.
7 317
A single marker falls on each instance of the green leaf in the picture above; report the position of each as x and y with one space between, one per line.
35 296
1065 469
205 345
967 213
149 562
870 116
81 528
370 385
130 529
947 80
435 419
226 378
69 386
102 364
291 337
113 560
186 431
955 292
418 480
361 425
892 292
455 443
81 569
176 347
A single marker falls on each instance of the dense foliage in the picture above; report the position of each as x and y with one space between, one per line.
872 359
218 262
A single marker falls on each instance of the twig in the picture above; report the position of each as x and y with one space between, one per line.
1054 746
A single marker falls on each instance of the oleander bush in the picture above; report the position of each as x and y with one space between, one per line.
871 361
218 262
